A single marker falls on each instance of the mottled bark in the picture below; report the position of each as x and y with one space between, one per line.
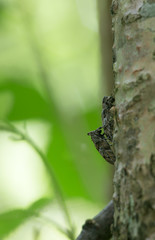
134 180
134 135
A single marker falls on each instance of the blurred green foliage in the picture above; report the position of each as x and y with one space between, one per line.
49 72
12 219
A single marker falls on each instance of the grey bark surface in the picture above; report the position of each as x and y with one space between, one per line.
134 137
134 132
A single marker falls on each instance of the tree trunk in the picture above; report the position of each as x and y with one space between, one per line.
134 137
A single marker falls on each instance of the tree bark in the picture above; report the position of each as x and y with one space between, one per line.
134 137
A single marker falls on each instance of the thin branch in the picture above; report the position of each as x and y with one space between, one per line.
46 220
38 57
44 76
99 227
9 127
36 234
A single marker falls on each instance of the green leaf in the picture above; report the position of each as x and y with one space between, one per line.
27 102
10 220
39 204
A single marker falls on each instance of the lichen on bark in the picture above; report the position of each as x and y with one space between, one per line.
134 137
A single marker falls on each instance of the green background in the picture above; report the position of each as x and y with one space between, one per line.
50 83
